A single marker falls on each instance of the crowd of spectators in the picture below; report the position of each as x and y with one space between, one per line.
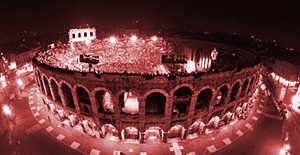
142 56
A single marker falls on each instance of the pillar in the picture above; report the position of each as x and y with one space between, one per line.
142 112
51 90
142 137
212 101
185 133
75 99
165 137
239 91
93 103
191 109
60 93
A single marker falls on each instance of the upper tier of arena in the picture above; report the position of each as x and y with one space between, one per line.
145 55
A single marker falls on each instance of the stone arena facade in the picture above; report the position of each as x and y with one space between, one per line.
199 98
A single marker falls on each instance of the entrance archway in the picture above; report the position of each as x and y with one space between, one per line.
104 102
153 134
176 132
203 100
221 96
67 93
155 104
129 103
244 87
83 100
234 91
110 132
55 91
130 133
181 101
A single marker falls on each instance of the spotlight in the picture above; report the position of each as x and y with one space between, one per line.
154 38
112 40
133 38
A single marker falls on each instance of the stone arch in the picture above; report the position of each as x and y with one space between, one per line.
182 100
104 100
204 99
244 87
222 94
176 131
130 133
234 91
83 98
155 103
181 85
110 132
46 85
129 101
153 133
67 94
54 87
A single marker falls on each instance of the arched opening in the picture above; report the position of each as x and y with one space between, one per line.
155 104
83 100
153 134
41 83
221 96
47 88
203 100
176 132
110 132
234 91
55 91
130 133
251 84
104 102
129 103
68 96
181 101
244 87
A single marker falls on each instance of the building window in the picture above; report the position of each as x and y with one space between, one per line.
79 35
85 34
91 34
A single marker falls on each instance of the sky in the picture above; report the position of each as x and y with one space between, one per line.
273 19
